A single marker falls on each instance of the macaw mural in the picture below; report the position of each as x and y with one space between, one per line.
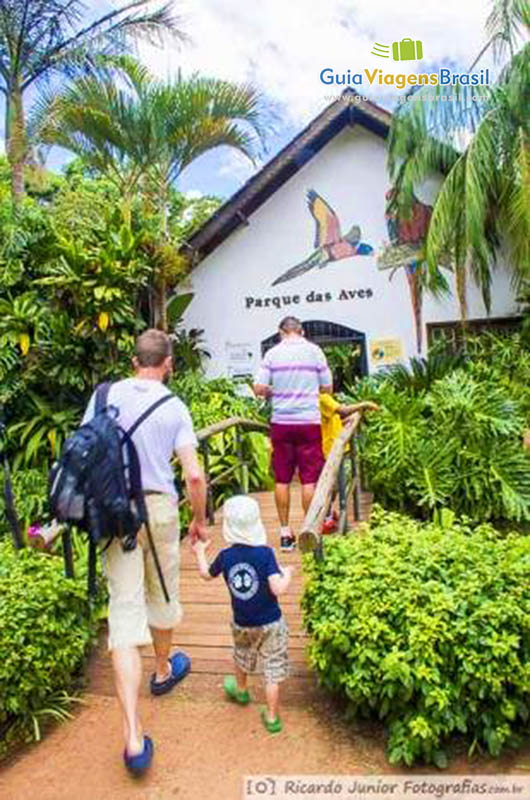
406 249
330 244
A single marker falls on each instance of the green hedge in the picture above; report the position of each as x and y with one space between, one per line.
46 628
427 629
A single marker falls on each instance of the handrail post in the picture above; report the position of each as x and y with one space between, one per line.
343 497
314 518
361 470
210 510
243 472
66 536
355 478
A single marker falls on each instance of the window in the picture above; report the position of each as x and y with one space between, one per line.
451 333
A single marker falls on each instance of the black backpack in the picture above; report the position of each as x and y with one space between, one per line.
97 482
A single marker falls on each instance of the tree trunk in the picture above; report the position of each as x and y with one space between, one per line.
16 142
161 282
160 302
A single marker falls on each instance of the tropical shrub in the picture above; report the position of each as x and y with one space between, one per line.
30 494
448 435
46 628
505 360
421 373
189 352
76 287
427 629
211 401
344 361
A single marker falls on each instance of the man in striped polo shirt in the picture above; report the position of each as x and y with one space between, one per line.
292 374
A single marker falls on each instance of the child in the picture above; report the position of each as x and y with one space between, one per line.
255 581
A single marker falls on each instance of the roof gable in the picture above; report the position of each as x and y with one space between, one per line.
349 109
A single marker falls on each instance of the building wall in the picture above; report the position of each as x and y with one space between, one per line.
238 307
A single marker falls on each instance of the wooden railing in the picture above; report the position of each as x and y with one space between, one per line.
240 467
333 479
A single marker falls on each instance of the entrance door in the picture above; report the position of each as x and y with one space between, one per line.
333 338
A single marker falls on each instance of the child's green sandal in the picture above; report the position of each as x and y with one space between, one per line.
233 693
273 726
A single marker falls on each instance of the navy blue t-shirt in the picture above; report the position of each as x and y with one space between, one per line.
246 570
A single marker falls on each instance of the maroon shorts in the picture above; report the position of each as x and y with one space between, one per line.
296 446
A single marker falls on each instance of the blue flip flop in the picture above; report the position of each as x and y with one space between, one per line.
139 763
180 666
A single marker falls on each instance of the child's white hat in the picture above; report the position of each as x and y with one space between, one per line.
242 522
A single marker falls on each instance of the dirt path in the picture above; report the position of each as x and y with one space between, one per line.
204 748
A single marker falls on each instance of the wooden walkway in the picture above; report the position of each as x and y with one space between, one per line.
205 630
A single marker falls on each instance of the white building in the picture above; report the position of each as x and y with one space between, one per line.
287 216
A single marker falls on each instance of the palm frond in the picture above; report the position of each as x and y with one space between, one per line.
135 128
506 24
67 48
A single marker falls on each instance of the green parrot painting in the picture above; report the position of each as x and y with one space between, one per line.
406 249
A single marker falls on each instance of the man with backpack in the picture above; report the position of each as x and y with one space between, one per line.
144 580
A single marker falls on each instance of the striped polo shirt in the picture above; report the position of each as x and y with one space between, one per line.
295 369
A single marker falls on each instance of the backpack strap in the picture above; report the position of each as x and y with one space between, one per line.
147 413
102 396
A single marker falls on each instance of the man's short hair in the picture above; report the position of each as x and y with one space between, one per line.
152 348
291 325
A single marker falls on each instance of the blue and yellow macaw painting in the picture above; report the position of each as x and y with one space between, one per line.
330 244
406 249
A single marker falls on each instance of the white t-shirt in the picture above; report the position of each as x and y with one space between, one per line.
167 429
296 370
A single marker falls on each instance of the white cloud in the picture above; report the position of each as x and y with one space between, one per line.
234 164
282 45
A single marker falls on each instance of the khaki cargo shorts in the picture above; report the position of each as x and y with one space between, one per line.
267 644
136 598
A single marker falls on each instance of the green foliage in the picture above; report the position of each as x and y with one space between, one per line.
483 151
421 372
30 491
427 629
46 628
211 401
76 281
42 436
189 352
450 434
503 359
344 362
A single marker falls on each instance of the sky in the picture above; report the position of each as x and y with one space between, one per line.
281 47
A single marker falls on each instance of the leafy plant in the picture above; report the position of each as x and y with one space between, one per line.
215 400
427 629
41 437
189 352
421 373
344 361
46 628
30 492
450 434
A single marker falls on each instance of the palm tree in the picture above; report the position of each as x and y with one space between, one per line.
40 39
483 151
141 133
